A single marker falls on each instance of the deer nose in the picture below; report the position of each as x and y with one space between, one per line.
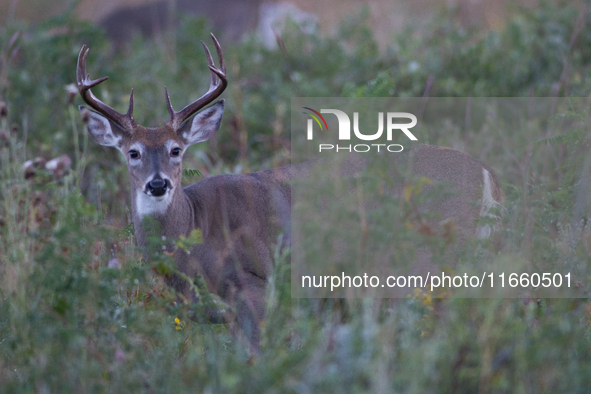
157 187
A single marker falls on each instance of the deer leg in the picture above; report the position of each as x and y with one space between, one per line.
250 312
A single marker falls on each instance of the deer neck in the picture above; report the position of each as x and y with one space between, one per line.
174 213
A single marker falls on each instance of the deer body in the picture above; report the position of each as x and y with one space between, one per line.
241 216
474 180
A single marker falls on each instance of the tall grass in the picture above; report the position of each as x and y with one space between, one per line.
82 311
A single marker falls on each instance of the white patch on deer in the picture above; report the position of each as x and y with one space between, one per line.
488 203
152 205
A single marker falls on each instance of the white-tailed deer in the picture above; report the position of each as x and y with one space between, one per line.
240 216
233 19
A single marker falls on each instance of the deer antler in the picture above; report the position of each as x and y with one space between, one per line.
215 88
85 83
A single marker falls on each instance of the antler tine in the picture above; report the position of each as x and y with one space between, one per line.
212 76
218 49
85 84
216 87
168 104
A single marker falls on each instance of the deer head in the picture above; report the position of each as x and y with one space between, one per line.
154 155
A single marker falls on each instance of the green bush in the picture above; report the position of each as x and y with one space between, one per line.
82 311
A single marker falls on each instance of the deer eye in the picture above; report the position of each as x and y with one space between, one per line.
175 152
134 154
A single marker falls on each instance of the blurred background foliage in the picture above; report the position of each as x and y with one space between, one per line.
81 311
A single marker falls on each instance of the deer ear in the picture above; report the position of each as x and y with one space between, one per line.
101 129
203 125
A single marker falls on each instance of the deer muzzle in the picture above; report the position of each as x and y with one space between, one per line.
157 187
